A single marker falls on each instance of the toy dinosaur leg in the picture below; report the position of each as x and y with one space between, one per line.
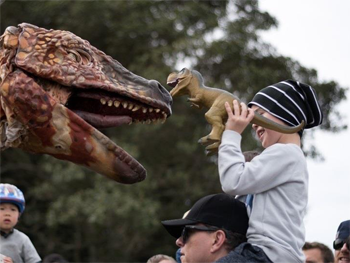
212 149
216 122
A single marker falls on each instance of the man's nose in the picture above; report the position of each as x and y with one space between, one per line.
344 248
179 242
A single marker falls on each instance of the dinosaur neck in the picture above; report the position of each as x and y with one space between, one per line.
194 87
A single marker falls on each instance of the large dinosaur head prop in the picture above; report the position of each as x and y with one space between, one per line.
56 90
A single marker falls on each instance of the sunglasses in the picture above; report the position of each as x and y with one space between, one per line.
339 243
186 232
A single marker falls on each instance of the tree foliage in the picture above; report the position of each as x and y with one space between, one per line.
88 218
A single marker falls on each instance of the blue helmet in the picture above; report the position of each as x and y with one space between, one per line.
11 194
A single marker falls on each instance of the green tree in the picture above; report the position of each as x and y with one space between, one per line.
89 218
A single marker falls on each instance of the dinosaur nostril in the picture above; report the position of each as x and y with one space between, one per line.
156 85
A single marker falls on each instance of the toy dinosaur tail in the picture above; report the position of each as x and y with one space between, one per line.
269 124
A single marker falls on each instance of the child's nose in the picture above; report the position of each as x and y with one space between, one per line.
254 126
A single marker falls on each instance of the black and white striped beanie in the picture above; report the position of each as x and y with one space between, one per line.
291 102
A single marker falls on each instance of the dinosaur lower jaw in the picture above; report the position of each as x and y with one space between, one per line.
75 140
103 121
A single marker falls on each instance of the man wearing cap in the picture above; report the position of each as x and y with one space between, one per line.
214 230
341 248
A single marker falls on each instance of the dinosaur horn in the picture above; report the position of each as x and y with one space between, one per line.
10 37
269 124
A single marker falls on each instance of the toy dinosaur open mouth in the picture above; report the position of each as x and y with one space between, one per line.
105 110
173 83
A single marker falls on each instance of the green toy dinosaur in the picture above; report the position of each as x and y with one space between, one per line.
191 83
56 90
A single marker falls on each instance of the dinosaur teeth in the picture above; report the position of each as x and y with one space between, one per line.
103 101
163 119
150 109
157 110
130 106
144 110
110 103
125 104
136 108
116 103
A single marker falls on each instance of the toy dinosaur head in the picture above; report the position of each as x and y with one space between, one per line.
56 90
180 81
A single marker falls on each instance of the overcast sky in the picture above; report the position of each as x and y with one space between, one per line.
316 33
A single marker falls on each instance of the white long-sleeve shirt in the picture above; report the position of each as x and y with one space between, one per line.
278 178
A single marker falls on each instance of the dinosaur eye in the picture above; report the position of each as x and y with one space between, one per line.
85 56
73 56
79 56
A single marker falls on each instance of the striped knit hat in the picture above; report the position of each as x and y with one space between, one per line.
291 102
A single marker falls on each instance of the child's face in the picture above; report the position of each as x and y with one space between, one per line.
9 215
266 136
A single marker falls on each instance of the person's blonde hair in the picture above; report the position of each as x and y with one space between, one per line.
158 258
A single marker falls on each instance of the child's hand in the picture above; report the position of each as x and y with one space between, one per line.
7 260
239 117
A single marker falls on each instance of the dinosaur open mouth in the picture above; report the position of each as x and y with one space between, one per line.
105 110
173 83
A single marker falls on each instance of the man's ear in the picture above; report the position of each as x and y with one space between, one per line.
218 241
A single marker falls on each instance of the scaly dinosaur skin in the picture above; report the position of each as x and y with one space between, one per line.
56 89
191 83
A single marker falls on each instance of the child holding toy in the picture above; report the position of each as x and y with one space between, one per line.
276 181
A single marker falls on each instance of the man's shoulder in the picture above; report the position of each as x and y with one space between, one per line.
243 253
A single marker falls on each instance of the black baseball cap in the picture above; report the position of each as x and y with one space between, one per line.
220 210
